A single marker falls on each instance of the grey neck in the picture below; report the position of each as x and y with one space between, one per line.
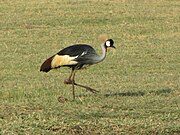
103 56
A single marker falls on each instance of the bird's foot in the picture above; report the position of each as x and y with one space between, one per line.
87 88
68 81
91 90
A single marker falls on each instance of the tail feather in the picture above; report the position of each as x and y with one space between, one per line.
46 66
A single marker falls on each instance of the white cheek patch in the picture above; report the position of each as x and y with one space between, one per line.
108 43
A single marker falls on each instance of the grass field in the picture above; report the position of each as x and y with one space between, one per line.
139 82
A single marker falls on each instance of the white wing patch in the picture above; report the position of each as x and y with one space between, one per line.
61 60
83 53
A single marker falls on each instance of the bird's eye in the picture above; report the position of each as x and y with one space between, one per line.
108 43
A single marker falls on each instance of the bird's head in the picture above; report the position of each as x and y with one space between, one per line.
109 43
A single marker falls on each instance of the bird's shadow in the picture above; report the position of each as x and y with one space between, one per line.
162 91
128 93
115 94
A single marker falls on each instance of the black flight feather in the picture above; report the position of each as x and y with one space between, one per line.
76 50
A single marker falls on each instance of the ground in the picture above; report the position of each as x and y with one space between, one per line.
138 82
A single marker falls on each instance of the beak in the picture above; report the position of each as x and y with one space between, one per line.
113 47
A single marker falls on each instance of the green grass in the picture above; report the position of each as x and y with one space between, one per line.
138 82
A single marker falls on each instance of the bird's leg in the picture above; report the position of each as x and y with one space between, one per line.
87 88
73 83
69 81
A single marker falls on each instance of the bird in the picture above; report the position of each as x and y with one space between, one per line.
77 56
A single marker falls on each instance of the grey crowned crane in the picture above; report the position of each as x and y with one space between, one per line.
76 57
